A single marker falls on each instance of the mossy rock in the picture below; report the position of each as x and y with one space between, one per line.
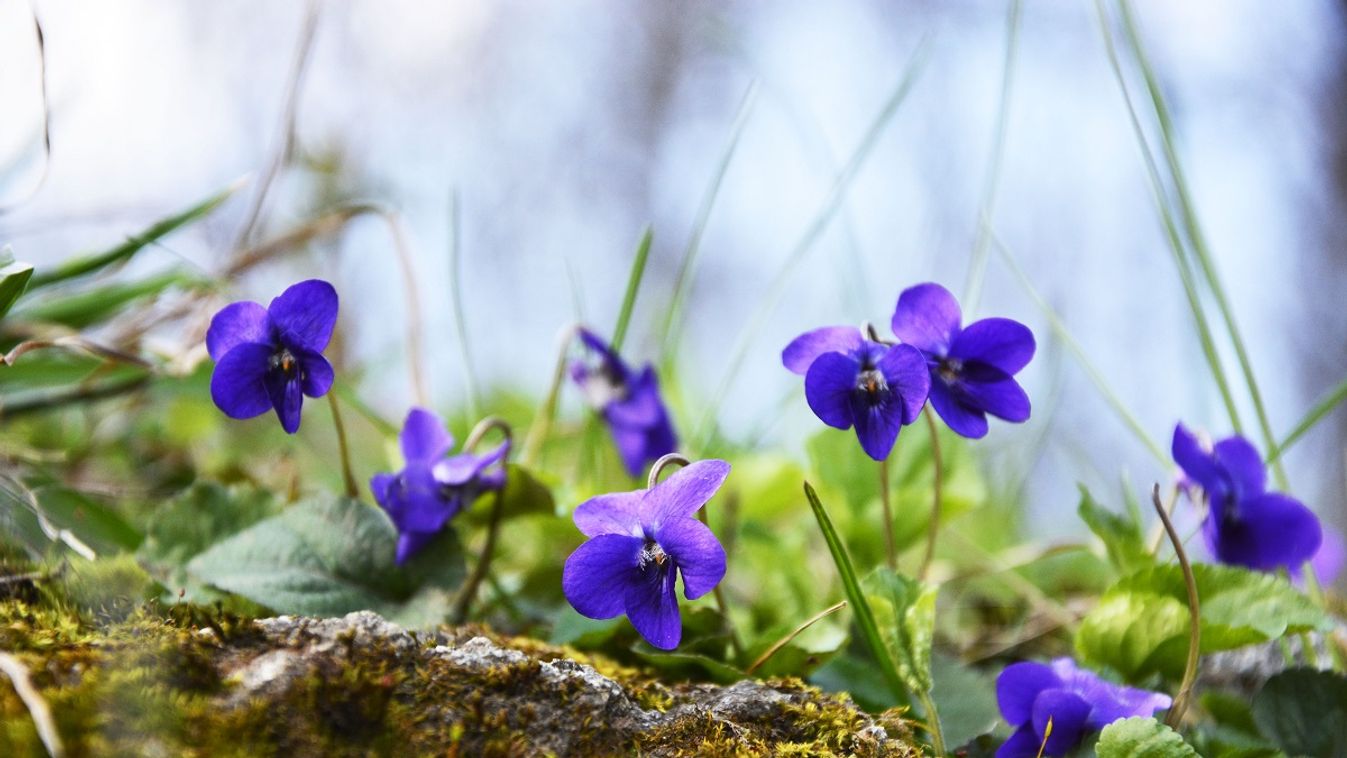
189 681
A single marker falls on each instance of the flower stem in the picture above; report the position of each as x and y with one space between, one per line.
890 545
935 494
1194 613
352 489
776 646
932 723
466 595
542 422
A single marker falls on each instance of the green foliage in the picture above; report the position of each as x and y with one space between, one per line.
1123 543
14 278
966 698
1141 738
1304 712
904 611
1140 626
525 495
330 555
80 310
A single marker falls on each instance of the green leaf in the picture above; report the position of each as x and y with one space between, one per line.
801 656
1140 625
1304 712
189 524
85 309
570 628
965 698
1121 535
14 279
329 556
88 264
1141 738
524 495
860 606
904 610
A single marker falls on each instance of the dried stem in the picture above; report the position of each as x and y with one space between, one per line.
32 699
479 572
1194 613
352 488
46 118
890 544
776 646
936 495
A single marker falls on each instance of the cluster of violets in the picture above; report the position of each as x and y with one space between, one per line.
640 542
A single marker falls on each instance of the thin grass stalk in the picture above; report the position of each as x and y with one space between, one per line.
831 202
456 293
796 632
1171 229
633 287
934 529
1316 414
1196 237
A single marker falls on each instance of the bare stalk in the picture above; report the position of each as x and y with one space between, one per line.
1194 613
936 496
479 572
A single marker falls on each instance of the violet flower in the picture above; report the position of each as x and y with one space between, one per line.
629 403
1077 701
639 542
1245 525
972 368
852 381
269 358
431 488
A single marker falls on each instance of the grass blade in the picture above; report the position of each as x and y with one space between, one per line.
977 267
1096 376
1196 238
84 309
831 203
671 330
456 292
860 607
633 286
1316 414
1171 229
88 264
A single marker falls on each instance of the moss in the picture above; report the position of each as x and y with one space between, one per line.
165 681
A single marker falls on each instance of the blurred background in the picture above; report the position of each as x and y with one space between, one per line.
564 129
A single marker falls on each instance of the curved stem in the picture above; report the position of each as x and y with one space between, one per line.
936 495
352 488
890 544
542 422
1194 613
933 723
664 461
776 646
479 572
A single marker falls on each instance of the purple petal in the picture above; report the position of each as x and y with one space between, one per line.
306 313
1243 465
633 445
1197 462
424 437
905 369
927 318
596 576
237 324
1329 559
1270 531
828 386
683 493
238 385
1017 687
1118 702
652 607
410 543
1070 719
642 406
615 513
1022 744
800 354
877 424
696 552
1002 398
1000 342
316 373
963 420
458 470
610 359
379 485
287 398
414 501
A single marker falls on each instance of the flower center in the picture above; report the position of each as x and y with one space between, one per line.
871 382
652 553
285 361
949 370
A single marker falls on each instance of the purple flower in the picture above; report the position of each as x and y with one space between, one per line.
271 357
638 543
1245 524
629 403
849 380
432 488
972 368
1077 701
